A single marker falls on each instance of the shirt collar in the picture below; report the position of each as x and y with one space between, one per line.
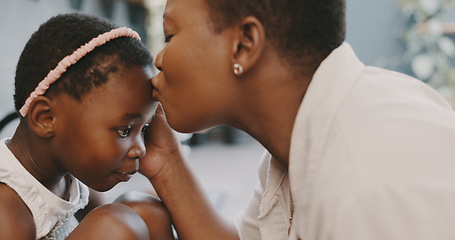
330 84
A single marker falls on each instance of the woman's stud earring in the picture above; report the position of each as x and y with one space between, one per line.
238 69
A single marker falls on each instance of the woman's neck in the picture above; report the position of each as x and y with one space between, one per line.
268 115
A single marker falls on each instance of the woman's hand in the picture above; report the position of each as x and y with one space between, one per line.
162 146
176 186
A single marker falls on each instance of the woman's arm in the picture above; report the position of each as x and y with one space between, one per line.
164 165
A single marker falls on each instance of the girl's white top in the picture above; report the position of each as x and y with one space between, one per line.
53 216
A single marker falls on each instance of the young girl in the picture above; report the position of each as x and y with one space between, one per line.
83 90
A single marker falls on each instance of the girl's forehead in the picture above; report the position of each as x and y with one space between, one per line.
130 92
126 82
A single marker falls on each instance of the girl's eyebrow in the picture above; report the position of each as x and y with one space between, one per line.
131 116
151 118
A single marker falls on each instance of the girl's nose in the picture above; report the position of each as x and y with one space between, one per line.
138 150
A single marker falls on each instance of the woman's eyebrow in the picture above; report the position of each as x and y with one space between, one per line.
167 18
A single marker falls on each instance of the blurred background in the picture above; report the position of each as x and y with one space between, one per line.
415 37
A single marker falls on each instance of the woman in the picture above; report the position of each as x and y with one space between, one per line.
346 157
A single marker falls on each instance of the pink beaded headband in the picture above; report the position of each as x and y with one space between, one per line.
72 59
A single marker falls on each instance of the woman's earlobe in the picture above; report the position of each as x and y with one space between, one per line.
238 69
249 45
40 118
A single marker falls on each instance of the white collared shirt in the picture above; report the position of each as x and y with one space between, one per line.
372 157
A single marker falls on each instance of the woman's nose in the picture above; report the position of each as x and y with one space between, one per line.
159 59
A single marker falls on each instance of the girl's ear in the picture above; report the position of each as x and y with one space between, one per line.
40 118
250 43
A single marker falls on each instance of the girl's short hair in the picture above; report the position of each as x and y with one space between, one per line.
296 28
61 36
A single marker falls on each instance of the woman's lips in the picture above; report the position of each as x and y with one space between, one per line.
154 81
155 94
155 90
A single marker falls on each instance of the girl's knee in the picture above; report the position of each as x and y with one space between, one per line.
146 205
113 221
152 211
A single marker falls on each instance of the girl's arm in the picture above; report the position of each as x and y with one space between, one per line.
95 200
192 214
16 220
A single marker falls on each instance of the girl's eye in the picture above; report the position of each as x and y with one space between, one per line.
145 128
124 133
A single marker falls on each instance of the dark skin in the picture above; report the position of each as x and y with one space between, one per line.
263 101
15 211
99 141
267 83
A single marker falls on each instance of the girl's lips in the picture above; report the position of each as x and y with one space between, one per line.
125 176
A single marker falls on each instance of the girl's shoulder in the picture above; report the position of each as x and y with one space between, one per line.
16 220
